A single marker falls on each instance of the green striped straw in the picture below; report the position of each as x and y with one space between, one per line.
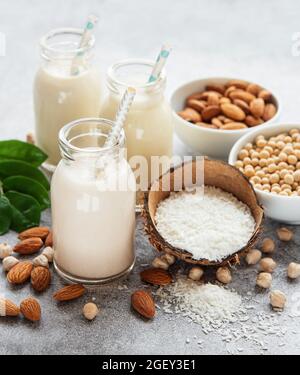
85 38
122 113
160 63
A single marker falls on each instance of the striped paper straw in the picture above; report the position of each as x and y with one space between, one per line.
122 113
85 38
160 63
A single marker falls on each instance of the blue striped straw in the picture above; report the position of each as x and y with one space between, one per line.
160 63
85 38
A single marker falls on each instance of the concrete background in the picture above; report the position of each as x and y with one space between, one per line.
216 38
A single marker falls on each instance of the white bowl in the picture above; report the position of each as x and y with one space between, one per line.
277 207
210 142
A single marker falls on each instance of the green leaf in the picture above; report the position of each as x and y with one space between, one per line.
30 187
10 168
26 211
5 215
18 150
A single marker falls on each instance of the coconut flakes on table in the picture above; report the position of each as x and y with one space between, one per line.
211 226
219 311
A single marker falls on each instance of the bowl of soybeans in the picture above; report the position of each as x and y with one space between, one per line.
270 159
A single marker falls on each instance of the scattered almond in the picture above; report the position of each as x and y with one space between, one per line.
40 232
156 276
31 309
40 278
143 303
29 246
8 308
49 240
20 273
69 292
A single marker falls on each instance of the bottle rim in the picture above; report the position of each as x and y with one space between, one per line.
67 148
54 51
115 83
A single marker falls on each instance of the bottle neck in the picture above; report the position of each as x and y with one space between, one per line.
135 73
61 52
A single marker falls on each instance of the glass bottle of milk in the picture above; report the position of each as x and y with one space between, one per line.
67 87
149 127
93 205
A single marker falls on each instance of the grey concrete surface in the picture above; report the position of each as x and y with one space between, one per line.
215 38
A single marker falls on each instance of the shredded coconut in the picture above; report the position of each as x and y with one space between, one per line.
211 226
220 311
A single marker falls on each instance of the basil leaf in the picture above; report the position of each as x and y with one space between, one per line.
20 168
18 150
5 215
26 211
30 187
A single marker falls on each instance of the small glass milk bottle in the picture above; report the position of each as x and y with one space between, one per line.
67 87
149 127
93 205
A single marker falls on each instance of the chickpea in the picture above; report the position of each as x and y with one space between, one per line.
255 155
249 171
284 193
247 161
264 154
260 174
297 176
272 168
239 164
269 149
255 162
261 143
288 150
283 173
249 146
294 131
263 162
288 139
289 179
280 145
297 144
264 180
272 143
243 154
276 152
257 169
259 187
282 165
297 154
255 180
291 168
283 156
266 187
292 159
298 165
276 189
274 178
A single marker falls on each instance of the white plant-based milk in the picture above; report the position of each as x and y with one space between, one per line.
59 99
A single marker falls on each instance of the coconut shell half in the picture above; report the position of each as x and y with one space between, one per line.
216 173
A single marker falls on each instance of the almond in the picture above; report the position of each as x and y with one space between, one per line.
253 88
243 105
40 278
210 112
189 114
143 303
265 95
214 87
197 105
224 100
233 111
29 246
8 308
40 232
269 112
243 95
20 273
31 309
216 122
205 95
229 91
49 240
234 126
239 83
252 121
257 107
213 99
195 95
156 276
69 292
205 125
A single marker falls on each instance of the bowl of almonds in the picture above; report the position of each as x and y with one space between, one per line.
212 114
270 158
